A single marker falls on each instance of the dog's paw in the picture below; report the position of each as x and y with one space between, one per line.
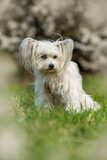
73 109
94 106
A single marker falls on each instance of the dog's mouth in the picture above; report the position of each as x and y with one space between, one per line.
51 70
48 70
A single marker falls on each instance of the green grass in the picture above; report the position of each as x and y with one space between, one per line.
54 134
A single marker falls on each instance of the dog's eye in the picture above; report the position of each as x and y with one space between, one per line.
44 56
55 57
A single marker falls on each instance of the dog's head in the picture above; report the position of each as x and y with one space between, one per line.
46 56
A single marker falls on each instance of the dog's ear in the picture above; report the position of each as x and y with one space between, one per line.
27 52
66 48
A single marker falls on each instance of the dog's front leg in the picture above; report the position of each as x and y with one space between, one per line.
73 104
43 100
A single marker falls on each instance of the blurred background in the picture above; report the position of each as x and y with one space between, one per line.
82 20
85 21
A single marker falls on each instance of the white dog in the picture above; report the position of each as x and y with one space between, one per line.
57 78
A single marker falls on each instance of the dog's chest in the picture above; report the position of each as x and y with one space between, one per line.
53 85
55 90
53 95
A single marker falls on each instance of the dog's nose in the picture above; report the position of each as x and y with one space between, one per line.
51 66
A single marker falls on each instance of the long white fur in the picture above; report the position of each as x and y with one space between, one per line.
61 85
